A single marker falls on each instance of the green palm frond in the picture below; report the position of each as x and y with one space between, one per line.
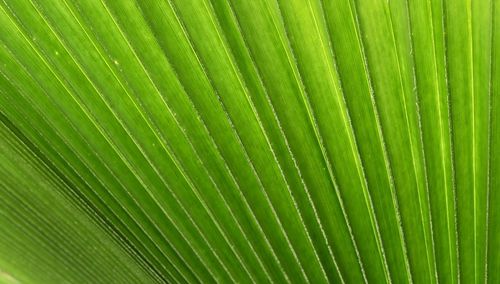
263 141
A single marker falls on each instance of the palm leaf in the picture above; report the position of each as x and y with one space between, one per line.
303 141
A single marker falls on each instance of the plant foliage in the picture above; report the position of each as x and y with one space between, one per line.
264 141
